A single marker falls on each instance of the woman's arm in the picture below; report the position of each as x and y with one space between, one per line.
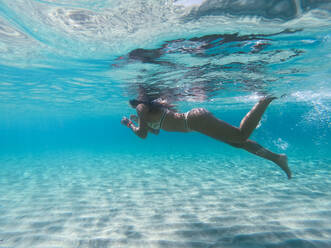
142 129
150 130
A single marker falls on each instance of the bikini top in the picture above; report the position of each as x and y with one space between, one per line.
158 125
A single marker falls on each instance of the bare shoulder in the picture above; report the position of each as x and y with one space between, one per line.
142 109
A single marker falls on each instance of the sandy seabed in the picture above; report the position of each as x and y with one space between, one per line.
113 200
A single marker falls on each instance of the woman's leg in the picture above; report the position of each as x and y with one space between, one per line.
202 121
253 117
257 149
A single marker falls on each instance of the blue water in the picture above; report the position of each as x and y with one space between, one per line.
72 176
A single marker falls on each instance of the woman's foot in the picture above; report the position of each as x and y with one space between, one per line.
268 98
283 164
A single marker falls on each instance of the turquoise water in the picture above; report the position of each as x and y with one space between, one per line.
72 176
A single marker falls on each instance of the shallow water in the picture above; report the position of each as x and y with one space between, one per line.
72 176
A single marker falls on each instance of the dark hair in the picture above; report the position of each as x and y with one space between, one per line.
134 102
153 105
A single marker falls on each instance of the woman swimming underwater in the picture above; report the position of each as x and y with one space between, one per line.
156 115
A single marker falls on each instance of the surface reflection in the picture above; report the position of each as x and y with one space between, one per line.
197 68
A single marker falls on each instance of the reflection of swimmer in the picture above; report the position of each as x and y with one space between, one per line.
156 115
204 46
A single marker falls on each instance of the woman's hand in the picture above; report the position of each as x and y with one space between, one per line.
125 121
